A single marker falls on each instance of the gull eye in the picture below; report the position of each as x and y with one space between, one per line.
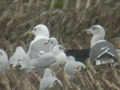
60 47
38 30
51 41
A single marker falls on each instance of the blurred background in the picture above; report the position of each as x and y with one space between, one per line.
66 20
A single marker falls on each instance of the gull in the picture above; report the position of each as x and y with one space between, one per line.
102 51
17 57
44 50
39 45
50 81
46 60
72 67
3 60
59 53
26 63
42 42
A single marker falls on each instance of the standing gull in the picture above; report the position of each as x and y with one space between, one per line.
49 81
3 60
40 43
43 50
102 51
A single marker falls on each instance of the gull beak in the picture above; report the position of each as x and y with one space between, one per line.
30 33
88 31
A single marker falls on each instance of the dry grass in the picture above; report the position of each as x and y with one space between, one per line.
68 26
15 21
103 79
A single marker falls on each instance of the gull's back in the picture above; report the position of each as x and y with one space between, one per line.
103 50
38 48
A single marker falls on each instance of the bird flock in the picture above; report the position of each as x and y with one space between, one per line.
45 54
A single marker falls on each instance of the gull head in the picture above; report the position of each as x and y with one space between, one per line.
98 33
96 30
57 49
41 30
53 42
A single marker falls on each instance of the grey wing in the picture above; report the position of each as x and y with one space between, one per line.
45 60
26 63
37 47
101 49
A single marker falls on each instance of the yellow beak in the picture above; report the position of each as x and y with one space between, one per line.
28 33
88 31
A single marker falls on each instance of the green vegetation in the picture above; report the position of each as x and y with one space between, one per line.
59 4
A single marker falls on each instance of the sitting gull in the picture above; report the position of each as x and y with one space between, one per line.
3 60
49 58
49 81
17 57
72 67
102 51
